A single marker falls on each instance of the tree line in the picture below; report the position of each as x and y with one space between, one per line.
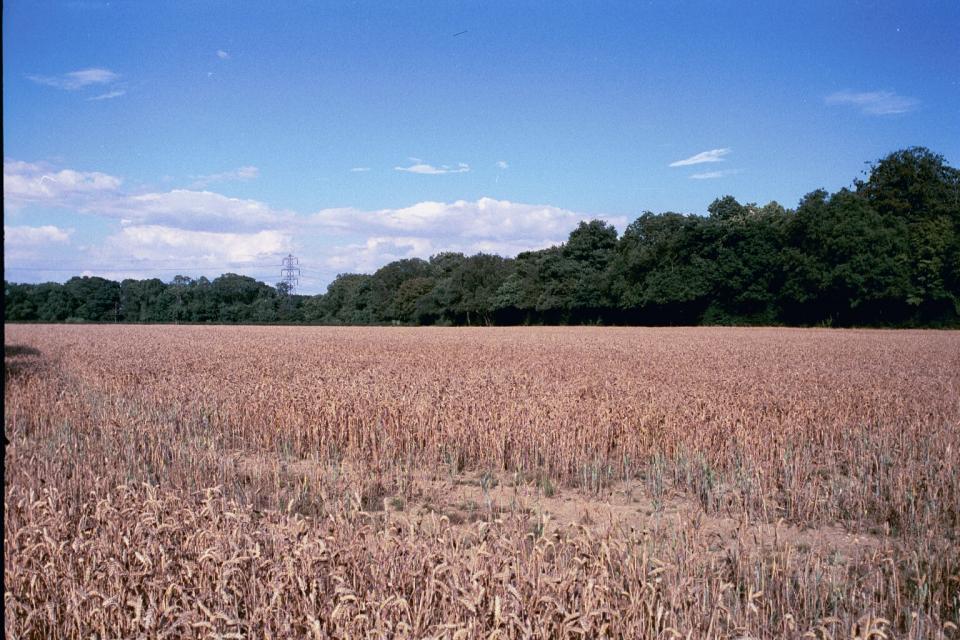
883 252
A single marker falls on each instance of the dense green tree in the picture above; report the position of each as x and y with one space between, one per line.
589 251
140 300
913 183
592 244
918 188
748 272
349 300
264 310
200 303
446 262
517 298
174 304
387 283
847 264
663 273
19 302
726 208
53 302
96 299
467 293
405 306
557 284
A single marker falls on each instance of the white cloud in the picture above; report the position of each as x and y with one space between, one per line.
503 164
360 169
713 155
241 173
77 79
712 175
196 248
24 245
98 193
501 224
874 103
31 182
110 94
421 167
373 253
223 55
196 210
35 236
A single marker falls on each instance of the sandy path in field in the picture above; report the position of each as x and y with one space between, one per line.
466 498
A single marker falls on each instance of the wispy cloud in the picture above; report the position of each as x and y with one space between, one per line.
359 169
503 164
77 79
223 55
711 175
109 95
242 174
713 155
874 103
421 167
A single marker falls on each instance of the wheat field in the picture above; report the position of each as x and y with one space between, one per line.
281 482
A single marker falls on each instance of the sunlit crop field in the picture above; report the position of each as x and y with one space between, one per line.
463 483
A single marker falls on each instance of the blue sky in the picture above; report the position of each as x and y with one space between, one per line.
148 139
